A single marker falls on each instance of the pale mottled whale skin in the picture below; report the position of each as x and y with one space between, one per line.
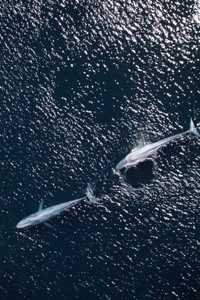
141 154
46 214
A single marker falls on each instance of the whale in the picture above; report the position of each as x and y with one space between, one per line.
138 155
46 214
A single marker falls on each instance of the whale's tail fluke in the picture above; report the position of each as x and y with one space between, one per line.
193 128
90 194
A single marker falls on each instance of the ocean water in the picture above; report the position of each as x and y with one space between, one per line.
82 83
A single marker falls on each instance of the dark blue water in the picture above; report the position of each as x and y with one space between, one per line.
82 83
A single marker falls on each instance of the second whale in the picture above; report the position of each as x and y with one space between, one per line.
141 154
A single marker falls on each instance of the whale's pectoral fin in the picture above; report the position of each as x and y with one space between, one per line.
48 225
41 205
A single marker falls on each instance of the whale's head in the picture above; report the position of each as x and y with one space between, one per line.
25 223
121 165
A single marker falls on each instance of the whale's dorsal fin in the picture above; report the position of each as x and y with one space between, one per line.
41 205
193 128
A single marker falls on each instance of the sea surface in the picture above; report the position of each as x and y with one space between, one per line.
82 83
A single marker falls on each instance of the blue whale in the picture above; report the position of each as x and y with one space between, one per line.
141 154
44 215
